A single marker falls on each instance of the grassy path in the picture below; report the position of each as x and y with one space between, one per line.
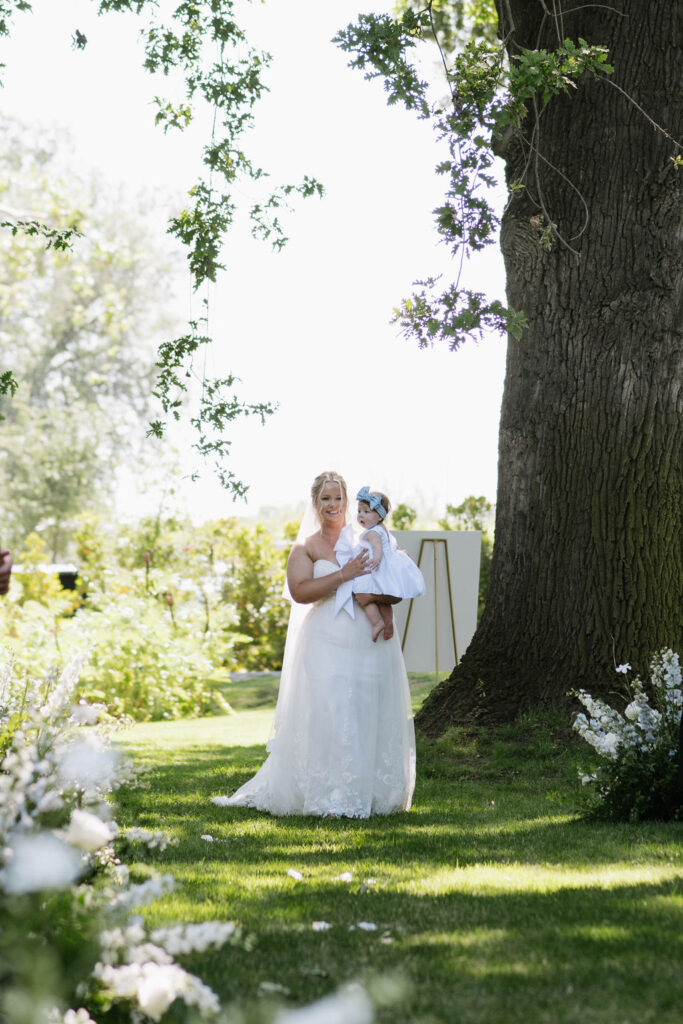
490 898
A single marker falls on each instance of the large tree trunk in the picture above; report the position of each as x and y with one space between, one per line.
588 560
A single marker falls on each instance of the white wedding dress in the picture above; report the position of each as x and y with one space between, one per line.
343 740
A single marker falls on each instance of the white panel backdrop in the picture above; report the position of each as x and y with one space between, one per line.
426 629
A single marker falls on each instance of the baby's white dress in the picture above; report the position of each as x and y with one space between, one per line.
397 575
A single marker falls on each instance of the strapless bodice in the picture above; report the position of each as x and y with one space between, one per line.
324 567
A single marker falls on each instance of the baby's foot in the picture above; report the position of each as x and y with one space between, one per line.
388 631
377 629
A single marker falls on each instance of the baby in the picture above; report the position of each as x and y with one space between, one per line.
394 575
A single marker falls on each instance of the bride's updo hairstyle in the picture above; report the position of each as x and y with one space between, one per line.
319 483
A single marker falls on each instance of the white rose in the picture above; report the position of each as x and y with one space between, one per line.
87 832
87 763
40 861
156 992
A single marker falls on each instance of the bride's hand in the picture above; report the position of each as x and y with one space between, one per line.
357 566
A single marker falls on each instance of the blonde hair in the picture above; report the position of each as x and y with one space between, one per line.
327 478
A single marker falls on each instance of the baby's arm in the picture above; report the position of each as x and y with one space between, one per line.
371 538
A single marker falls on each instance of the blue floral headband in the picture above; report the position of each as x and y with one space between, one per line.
373 500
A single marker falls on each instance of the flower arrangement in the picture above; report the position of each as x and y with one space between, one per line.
636 777
72 944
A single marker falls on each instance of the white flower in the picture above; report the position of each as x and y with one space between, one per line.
147 952
86 714
321 926
623 668
296 875
610 743
157 990
144 892
39 861
77 1017
87 763
66 684
207 838
345 876
88 832
200 995
350 1006
155 986
50 801
121 874
191 938
153 840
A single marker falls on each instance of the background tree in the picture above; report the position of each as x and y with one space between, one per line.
202 59
402 517
474 514
230 565
588 565
253 584
79 330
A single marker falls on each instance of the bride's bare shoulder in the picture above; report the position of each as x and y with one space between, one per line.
303 550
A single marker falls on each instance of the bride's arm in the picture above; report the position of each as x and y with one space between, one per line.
305 589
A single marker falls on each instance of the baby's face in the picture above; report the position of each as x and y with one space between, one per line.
366 517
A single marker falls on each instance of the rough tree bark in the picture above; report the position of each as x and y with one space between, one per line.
588 557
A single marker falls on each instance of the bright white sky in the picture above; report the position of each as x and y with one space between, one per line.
308 328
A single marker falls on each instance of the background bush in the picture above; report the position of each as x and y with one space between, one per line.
166 609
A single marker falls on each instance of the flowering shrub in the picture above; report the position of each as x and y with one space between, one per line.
72 945
636 777
143 663
153 644
163 609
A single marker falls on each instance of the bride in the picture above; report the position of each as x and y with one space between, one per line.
343 742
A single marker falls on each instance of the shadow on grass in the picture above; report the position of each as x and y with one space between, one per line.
569 955
497 904
478 823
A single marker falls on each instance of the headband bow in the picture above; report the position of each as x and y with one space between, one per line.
373 500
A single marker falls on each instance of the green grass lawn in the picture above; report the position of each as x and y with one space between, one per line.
491 898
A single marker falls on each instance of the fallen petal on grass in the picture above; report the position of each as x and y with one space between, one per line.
321 926
296 875
272 988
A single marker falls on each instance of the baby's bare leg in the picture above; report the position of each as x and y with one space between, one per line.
385 602
382 603
368 603
387 613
